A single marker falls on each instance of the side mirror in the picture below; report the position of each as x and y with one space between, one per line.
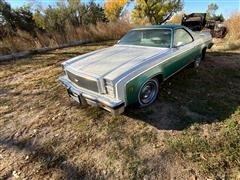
179 44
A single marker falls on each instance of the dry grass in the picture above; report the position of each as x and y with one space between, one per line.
232 41
22 40
233 25
44 135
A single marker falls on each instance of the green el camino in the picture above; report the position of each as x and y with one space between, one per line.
130 71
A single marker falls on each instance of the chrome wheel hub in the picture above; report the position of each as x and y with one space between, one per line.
198 61
148 92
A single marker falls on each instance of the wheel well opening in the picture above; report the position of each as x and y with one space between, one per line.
159 77
204 49
204 52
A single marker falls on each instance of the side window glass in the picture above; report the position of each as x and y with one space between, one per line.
181 37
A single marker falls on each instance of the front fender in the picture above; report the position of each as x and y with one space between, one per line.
133 86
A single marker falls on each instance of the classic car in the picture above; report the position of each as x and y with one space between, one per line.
131 71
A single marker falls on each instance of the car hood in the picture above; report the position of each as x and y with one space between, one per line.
112 61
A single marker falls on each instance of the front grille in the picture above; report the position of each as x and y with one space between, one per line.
83 82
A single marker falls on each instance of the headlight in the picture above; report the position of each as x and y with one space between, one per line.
110 88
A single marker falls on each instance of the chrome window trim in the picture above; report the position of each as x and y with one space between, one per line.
137 29
187 32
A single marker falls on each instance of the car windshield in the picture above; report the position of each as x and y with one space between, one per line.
148 37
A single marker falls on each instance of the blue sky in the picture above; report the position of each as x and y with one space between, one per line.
226 7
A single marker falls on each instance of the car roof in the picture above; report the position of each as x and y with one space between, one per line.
161 27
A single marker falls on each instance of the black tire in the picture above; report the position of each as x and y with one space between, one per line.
148 92
204 53
198 59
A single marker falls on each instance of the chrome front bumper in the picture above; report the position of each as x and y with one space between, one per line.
83 96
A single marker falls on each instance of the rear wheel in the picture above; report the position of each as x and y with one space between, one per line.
203 53
148 92
198 59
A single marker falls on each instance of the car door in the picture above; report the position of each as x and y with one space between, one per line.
183 51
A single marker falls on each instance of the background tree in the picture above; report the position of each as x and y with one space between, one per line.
113 8
6 14
155 10
75 12
177 18
13 19
219 18
211 13
95 13
39 19
66 21
212 8
24 19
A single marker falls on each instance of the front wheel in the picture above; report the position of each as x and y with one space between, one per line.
148 92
